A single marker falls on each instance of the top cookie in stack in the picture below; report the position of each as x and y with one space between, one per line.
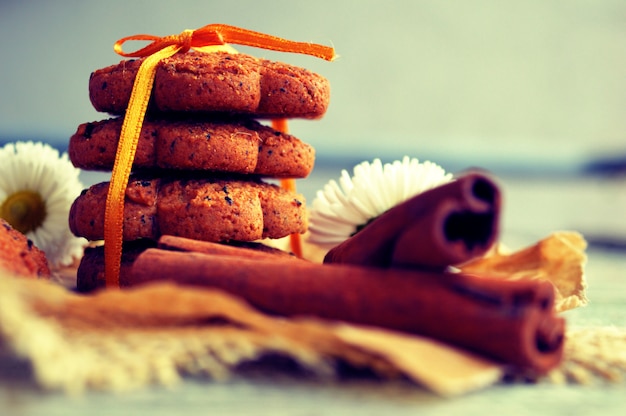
216 82
202 152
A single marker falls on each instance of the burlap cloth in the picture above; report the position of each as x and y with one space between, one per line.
160 334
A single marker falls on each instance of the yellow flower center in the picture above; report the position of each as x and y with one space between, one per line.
24 210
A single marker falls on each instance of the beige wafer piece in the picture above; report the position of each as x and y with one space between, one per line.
559 258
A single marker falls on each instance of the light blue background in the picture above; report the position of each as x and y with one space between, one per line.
534 82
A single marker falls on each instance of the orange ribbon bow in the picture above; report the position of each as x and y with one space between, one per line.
161 48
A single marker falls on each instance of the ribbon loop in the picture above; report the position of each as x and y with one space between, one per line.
220 34
185 40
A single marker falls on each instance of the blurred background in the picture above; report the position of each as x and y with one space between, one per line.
532 88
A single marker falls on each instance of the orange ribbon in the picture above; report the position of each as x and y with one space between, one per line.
219 34
161 48
295 240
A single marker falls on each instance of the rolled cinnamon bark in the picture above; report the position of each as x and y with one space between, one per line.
511 321
90 273
447 225
250 250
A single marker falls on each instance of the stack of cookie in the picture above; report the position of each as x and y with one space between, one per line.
202 156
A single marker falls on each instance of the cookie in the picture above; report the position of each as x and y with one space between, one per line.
216 82
225 145
209 209
19 256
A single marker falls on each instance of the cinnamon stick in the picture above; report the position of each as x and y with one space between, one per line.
250 250
90 273
511 321
447 225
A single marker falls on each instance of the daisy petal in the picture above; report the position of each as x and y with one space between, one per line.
38 168
340 208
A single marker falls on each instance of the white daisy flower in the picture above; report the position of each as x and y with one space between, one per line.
341 209
37 188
